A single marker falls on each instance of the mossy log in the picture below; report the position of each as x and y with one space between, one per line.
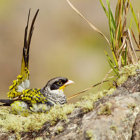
113 117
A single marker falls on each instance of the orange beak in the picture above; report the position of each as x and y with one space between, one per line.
69 82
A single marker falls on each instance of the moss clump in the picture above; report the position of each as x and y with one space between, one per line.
21 108
105 109
47 133
86 106
33 122
127 71
113 128
87 102
39 138
89 134
59 129
132 106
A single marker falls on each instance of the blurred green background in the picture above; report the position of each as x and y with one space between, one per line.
62 45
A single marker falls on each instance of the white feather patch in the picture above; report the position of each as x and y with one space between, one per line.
23 85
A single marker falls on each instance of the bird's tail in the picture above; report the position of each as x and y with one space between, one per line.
6 102
22 81
26 47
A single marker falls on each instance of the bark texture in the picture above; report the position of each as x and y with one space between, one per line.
114 117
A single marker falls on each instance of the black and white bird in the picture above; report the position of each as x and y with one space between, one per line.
22 99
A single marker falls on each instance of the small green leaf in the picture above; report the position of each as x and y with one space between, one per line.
112 20
112 65
105 10
134 16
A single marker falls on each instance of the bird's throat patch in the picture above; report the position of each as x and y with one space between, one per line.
62 87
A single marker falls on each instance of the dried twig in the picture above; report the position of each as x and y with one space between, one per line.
135 39
89 23
131 45
106 77
85 90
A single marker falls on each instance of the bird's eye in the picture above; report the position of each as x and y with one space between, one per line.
59 83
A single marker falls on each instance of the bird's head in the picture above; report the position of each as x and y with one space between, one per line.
57 85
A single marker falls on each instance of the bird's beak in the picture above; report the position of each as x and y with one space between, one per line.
69 82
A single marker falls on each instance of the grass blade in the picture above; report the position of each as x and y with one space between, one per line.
111 15
112 65
89 23
105 10
135 39
134 16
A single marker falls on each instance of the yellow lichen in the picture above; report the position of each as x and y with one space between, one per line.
131 106
87 102
127 71
89 134
20 108
85 105
105 109
110 91
113 128
59 129
39 138
32 122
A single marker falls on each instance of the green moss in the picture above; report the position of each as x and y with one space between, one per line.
87 102
113 128
89 134
85 105
110 91
59 129
127 71
105 109
47 133
132 106
21 108
39 138
13 137
33 122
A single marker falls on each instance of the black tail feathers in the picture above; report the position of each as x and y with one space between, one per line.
27 42
6 102
25 58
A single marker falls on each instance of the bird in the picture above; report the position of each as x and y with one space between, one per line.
22 99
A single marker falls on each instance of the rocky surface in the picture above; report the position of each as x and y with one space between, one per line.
116 118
